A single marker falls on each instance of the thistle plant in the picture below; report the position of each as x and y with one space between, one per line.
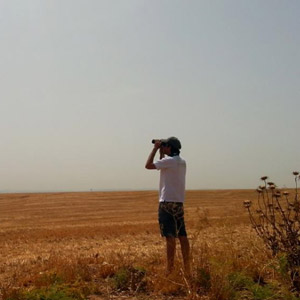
276 219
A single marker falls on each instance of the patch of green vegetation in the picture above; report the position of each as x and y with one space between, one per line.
203 279
55 292
121 279
244 287
129 278
239 281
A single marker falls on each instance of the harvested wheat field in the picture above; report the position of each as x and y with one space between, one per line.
106 245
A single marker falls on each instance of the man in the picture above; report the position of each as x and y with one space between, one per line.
171 198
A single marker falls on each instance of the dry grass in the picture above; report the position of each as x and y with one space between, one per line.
86 240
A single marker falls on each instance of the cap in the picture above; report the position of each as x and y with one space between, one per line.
173 142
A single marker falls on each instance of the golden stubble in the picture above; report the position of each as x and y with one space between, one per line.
94 234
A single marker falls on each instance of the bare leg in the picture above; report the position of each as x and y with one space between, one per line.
171 249
185 250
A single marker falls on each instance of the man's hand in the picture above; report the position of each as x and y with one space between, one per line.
157 144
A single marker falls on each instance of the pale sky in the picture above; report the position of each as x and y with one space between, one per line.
85 86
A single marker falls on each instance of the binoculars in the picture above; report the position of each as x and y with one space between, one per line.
162 143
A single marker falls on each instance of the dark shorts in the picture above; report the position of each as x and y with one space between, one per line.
171 219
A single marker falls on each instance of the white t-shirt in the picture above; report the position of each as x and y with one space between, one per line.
172 179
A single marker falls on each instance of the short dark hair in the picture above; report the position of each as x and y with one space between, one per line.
174 151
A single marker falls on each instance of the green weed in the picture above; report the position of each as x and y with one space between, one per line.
130 278
52 293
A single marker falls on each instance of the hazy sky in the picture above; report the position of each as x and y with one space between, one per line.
85 86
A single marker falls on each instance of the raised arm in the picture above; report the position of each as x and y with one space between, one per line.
149 163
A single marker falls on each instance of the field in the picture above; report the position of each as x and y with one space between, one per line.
106 245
